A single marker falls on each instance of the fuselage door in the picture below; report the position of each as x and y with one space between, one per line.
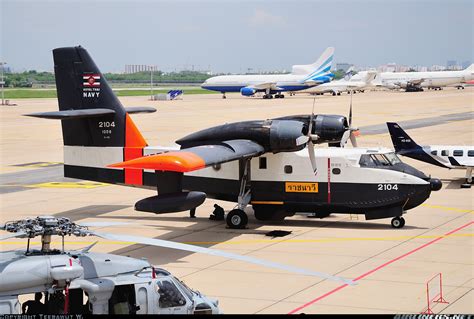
141 294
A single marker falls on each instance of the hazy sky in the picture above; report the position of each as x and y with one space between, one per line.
231 36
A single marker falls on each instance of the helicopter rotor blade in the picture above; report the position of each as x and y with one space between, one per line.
102 224
13 235
214 252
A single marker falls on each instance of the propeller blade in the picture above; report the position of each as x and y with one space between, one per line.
303 139
13 235
312 156
353 139
213 252
345 137
350 112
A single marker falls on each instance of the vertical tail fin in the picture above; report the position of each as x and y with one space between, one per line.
402 142
321 67
97 131
81 86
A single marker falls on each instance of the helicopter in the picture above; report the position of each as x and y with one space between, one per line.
112 284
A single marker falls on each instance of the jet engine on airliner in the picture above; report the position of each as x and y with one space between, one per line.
247 91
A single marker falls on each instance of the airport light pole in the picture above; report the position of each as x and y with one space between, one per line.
2 82
152 67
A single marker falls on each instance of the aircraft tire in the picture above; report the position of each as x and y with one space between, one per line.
398 222
466 185
237 219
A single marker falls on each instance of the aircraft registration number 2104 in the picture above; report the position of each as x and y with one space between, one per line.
291 187
387 187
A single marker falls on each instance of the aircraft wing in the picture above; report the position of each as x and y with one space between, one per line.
416 81
313 82
195 158
264 86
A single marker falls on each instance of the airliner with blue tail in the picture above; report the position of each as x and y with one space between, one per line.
302 77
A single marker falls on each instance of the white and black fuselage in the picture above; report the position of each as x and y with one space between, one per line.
348 180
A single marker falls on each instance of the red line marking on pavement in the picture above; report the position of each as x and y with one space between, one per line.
379 267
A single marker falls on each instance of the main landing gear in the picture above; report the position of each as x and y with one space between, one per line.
237 218
223 95
468 182
279 96
398 222
268 96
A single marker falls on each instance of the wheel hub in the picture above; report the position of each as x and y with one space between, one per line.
235 220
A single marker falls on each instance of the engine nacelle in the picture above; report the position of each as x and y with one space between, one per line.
286 136
274 135
246 91
329 128
324 79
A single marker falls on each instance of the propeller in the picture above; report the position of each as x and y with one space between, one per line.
219 253
350 132
311 138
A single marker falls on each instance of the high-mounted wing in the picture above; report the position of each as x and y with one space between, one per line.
195 158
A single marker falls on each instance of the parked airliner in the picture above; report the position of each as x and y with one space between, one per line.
416 81
301 77
347 84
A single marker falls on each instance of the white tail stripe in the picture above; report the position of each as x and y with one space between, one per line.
92 156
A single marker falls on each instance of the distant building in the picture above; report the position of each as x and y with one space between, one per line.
452 65
465 64
343 66
437 68
135 68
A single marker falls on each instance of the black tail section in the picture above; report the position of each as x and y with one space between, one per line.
400 139
81 86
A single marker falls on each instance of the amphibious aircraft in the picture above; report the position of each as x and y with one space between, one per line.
269 164
302 77
113 284
447 156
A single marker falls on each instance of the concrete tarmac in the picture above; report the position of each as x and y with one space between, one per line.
390 266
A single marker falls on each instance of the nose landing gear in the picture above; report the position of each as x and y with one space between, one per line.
398 222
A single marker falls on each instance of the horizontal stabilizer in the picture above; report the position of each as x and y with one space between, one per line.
140 109
73 114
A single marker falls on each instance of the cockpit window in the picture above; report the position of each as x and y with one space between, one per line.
188 291
393 158
366 160
379 159
169 295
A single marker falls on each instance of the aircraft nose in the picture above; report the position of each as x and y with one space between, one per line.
435 184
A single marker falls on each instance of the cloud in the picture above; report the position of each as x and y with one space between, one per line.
261 18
